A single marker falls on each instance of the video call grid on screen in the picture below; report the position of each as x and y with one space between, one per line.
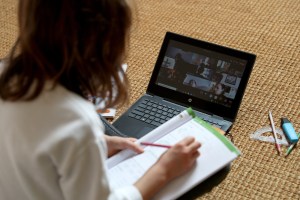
201 73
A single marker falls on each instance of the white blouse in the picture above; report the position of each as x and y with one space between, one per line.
53 148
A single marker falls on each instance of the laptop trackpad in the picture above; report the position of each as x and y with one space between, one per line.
137 132
132 127
140 132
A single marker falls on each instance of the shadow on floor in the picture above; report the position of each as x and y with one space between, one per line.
207 185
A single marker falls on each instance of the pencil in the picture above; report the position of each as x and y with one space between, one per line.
274 132
155 145
291 147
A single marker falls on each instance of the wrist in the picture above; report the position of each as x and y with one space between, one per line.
161 173
152 181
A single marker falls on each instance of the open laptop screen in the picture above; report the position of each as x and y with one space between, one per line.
202 75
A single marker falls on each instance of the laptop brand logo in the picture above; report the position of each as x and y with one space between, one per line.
190 100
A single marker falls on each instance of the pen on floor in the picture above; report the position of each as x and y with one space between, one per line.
274 132
291 147
155 145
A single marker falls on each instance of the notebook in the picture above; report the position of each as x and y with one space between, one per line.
126 167
209 78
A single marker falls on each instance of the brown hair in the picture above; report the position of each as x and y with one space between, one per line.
79 44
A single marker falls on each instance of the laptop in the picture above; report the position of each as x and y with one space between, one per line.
209 78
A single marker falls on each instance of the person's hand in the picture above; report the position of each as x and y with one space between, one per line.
115 144
174 162
179 158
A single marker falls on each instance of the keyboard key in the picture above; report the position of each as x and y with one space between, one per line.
132 115
148 121
142 105
171 110
164 113
170 115
163 117
146 115
157 115
149 103
138 112
157 119
175 112
162 121
140 109
155 123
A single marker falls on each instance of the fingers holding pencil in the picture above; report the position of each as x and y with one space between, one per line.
183 155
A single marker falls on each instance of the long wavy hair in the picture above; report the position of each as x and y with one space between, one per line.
79 44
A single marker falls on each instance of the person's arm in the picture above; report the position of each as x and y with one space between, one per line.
116 143
175 162
79 161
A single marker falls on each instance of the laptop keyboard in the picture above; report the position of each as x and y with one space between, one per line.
156 113
153 112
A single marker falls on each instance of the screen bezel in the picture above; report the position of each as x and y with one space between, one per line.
197 103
